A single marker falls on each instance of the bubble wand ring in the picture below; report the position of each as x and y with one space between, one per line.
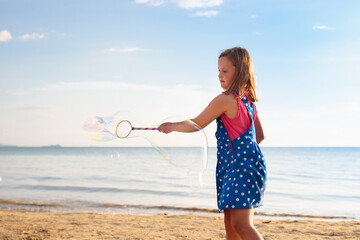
130 128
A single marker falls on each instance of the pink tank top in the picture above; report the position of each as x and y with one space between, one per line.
238 125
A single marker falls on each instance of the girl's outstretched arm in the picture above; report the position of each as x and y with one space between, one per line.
259 130
216 107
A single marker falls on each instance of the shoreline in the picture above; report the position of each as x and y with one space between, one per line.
87 225
133 209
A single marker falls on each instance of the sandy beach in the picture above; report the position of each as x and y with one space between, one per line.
29 225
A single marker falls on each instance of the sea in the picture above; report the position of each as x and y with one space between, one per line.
303 182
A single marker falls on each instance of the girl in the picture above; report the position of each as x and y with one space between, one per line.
240 170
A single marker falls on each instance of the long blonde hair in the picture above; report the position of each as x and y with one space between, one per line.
244 80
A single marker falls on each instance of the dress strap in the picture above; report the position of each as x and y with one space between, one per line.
249 108
236 94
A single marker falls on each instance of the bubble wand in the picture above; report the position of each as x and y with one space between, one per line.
124 128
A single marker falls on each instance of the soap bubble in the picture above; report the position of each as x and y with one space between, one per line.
187 151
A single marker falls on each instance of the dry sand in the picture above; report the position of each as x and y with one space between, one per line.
29 225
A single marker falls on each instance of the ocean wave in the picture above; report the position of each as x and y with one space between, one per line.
103 189
25 203
311 196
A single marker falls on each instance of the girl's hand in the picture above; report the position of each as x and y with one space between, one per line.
166 128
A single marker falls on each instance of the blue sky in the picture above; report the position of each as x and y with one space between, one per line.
64 61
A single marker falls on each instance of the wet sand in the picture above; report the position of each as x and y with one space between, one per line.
30 225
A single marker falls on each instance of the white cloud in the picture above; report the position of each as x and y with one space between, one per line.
187 4
134 49
252 16
32 36
322 27
154 3
5 36
205 14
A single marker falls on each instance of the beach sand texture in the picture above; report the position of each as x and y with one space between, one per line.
29 225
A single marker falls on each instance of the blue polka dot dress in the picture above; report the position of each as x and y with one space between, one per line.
240 170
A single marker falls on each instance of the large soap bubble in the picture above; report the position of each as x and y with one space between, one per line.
171 147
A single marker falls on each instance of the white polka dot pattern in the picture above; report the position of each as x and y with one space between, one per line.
240 170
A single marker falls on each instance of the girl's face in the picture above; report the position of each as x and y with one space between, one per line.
226 72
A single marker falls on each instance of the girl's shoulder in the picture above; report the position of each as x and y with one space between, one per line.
225 99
